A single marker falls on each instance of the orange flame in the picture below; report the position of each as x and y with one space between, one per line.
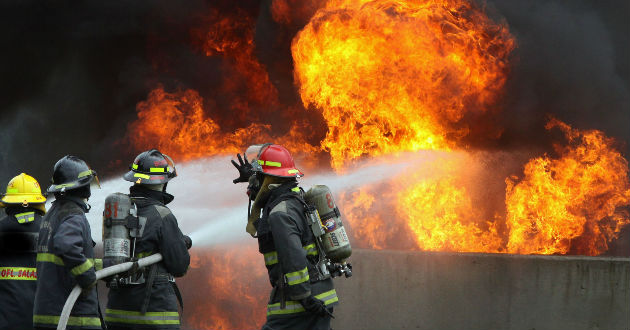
387 76
391 75
572 199
177 125
443 218
226 290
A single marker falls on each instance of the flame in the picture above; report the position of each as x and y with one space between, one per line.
184 125
177 124
570 203
391 76
443 218
386 76
369 226
394 76
226 290
230 36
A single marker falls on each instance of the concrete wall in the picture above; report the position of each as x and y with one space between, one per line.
455 291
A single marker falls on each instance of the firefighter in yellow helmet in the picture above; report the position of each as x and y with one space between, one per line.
24 205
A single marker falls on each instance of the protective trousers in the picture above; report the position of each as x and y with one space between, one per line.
301 322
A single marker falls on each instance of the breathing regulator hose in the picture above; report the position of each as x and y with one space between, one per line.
105 272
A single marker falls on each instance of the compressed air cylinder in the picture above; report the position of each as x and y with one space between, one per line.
116 239
335 241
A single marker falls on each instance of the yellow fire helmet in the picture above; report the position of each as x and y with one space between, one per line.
24 190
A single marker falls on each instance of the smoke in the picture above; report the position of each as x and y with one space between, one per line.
572 61
74 72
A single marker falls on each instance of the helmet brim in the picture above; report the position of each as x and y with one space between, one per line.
67 186
141 178
85 178
21 198
283 172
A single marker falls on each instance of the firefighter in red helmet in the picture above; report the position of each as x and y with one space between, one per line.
301 297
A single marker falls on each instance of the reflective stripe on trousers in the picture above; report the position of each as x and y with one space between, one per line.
132 317
18 273
292 306
73 320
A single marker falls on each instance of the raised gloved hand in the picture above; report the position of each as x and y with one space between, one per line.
188 241
315 306
244 168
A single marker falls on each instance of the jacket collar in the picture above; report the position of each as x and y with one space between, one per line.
139 191
13 210
278 190
79 201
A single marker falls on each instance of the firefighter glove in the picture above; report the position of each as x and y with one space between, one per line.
134 267
85 290
245 169
188 241
315 306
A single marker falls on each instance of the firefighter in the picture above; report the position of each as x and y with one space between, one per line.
148 298
65 250
301 298
19 230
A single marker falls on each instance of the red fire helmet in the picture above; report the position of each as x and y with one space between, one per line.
274 160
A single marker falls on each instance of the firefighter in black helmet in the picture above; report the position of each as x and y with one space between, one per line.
149 301
65 254
301 297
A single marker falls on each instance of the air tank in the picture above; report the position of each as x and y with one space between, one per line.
335 241
116 239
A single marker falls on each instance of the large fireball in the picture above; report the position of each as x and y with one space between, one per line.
398 75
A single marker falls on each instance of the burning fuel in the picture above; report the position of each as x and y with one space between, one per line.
391 77
571 203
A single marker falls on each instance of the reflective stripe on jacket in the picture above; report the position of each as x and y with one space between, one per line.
65 253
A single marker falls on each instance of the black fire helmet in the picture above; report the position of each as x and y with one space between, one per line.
151 167
70 173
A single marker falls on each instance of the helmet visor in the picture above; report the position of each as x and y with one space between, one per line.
171 166
96 183
90 177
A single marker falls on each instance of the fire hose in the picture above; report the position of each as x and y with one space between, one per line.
105 272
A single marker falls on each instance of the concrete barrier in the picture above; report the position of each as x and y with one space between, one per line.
470 291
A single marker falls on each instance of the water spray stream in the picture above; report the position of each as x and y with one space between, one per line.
213 211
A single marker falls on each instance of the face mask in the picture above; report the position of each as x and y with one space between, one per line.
254 186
